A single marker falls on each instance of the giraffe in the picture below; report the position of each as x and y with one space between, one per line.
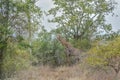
69 49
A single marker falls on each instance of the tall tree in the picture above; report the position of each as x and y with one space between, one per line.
4 28
81 19
18 19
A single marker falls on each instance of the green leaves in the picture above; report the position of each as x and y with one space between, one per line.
19 19
15 59
80 17
47 49
105 55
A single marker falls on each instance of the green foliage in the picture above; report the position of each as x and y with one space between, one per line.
19 20
82 44
48 50
81 19
15 59
105 55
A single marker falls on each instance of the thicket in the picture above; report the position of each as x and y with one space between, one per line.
105 55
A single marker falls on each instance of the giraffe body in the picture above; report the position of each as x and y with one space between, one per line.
70 51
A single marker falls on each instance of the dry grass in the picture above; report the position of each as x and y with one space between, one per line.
61 73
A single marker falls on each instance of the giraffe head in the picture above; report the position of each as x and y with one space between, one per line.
59 37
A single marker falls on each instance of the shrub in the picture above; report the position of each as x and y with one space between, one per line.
15 59
105 55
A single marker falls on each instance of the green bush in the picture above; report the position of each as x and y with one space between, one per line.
82 44
49 52
15 59
105 55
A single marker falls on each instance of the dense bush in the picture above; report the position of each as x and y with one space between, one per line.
48 50
82 44
105 55
15 58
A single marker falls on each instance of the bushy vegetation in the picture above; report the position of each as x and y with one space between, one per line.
24 41
17 28
48 50
105 55
15 59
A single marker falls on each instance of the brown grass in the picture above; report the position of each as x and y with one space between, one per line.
61 73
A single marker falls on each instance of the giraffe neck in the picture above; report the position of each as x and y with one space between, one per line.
65 43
